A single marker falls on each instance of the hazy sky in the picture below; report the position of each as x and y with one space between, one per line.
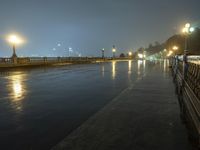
89 25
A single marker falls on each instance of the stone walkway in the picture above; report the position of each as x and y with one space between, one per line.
145 116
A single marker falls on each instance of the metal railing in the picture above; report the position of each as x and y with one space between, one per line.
186 75
53 60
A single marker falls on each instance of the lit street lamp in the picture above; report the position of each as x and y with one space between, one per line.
103 52
175 48
187 30
130 54
14 40
113 50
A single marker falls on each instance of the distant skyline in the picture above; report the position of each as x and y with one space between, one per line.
52 27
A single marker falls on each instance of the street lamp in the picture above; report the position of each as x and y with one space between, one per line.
140 56
103 52
175 48
14 40
187 30
130 54
113 50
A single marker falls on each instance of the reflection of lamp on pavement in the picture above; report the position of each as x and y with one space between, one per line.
129 66
113 69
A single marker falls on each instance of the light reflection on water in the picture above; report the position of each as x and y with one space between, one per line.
144 64
103 70
129 66
139 66
165 65
16 89
30 103
113 70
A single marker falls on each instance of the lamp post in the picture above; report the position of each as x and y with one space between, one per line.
103 52
14 40
186 30
175 48
114 51
130 54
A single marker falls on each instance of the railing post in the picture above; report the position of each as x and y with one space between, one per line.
45 60
185 66
175 67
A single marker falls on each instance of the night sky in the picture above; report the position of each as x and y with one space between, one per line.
50 27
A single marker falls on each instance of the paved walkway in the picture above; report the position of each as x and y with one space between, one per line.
145 116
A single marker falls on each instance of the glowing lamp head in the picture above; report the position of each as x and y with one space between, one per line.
140 55
113 50
13 39
175 48
188 29
187 25
184 30
191 29
130 53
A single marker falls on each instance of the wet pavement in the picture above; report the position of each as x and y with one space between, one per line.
117 105
144 116
39 107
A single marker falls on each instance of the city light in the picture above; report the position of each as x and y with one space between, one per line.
170 53
14 39
187 25
113 50
175 48
188 28
140 56
130 53
191 29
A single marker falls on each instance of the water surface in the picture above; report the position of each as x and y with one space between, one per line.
39 107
